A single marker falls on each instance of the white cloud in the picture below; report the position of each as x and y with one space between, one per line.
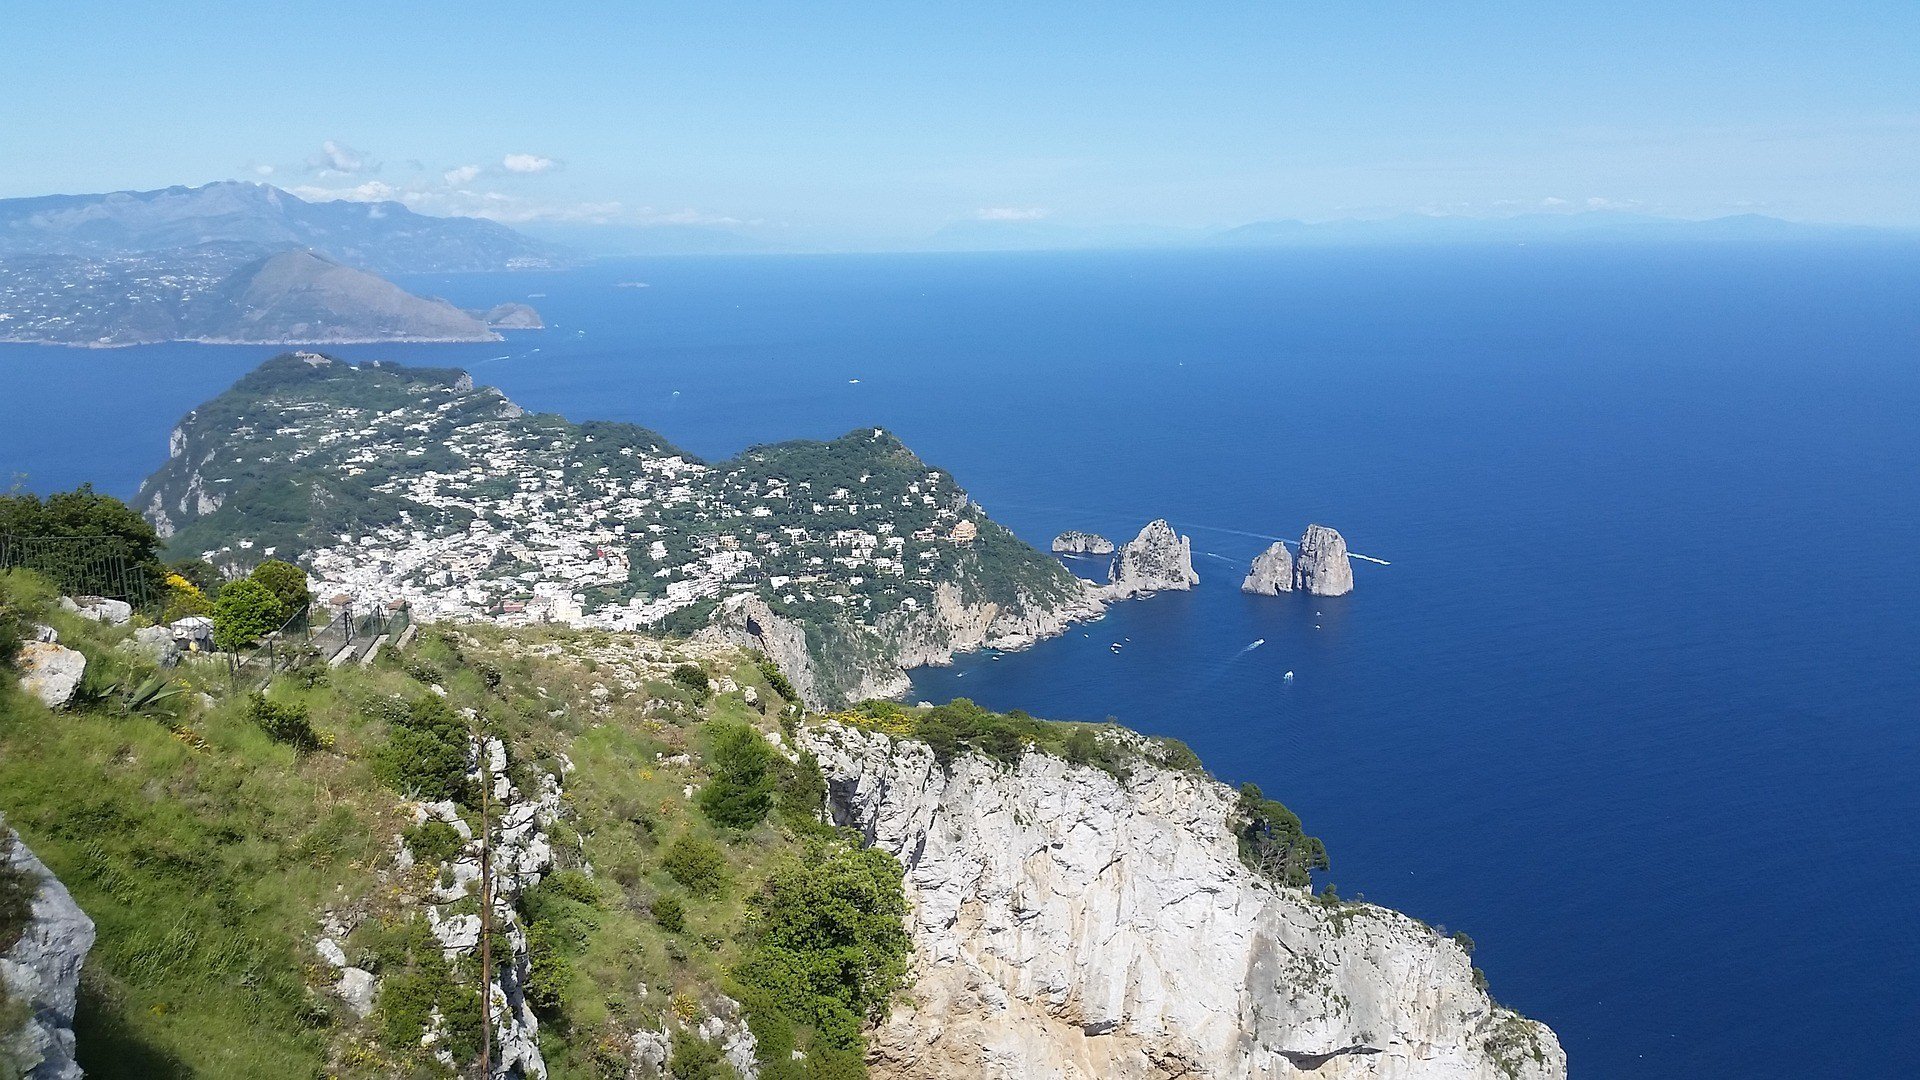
263 170
371 191
527 163
1553 200
337 159
462 175
1011 213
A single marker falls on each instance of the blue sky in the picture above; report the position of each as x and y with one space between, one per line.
869 121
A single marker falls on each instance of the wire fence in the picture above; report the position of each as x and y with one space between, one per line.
85 566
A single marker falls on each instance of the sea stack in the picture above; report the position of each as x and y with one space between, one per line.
1323 568
1155 560
1272 572
1075 542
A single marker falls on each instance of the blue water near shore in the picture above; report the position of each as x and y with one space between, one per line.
1637 703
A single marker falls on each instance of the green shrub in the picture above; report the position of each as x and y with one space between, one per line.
694 1058
245 612
802 791
434 841
283 723
696 863
830 946
669 914
426 751
741 791
287 583
776 680
694 679
1272 840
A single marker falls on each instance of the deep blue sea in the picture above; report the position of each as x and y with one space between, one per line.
1637 703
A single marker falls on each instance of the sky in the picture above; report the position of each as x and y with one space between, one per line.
865 122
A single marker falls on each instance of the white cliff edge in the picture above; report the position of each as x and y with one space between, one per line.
41 971
1070 924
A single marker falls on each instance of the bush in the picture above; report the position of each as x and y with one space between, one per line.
245 612
776 680
694 1058
287 583
17 891
831 945
802 792
696 863
434 841
283 723
669 914
741 791
1273 842
694 679
426 750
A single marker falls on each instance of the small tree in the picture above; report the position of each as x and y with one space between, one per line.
287 583
245 611
741 791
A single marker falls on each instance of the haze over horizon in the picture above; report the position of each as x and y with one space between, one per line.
861 127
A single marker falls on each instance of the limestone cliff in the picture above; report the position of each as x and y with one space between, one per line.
1272 572
1323 568
842 663
1071 924
1158 559
40 971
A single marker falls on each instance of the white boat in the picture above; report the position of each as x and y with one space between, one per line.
1288 677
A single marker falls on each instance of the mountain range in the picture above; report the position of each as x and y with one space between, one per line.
380 237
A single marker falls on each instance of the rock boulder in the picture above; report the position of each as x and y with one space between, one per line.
1272 572
1157 560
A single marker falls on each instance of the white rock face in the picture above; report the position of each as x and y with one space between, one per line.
1272 572
1070 925
50 672
1157 560
1323 568
42 969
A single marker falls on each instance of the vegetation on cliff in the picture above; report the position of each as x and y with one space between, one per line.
219 834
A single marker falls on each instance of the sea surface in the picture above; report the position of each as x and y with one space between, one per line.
1636 703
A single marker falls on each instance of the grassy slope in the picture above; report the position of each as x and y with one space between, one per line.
206 853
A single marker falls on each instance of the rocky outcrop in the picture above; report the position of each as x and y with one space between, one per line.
1157 560
1272 572
48 670
510 316
1075 542
1070 924
1323 568
99 609
40 970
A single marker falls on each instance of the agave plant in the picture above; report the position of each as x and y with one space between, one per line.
151 692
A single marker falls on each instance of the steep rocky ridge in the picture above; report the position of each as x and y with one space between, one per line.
1070 923
40 968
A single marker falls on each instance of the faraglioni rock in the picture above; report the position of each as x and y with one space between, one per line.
1075 542
1323 568
41 970
1156 560
1272 572
1075 924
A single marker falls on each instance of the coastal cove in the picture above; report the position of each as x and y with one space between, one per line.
1633 703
